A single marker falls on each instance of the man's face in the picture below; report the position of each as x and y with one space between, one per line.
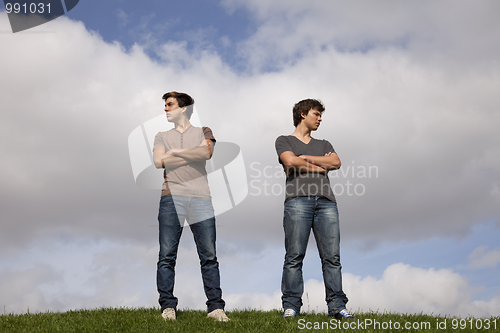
312 119
172 109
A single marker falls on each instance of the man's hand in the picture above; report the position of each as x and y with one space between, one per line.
299 163
175 151
330 161
177 157
200 153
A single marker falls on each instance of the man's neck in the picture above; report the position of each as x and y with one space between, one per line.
182 125
302 132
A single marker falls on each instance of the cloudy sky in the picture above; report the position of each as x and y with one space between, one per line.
412 95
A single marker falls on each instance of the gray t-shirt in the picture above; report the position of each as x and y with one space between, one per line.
305 184
188 180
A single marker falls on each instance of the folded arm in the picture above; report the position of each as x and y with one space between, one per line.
301 164
329 162
177 157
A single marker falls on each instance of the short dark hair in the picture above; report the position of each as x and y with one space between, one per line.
183 99
303 107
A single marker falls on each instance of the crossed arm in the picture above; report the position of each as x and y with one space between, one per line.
309 163
177 157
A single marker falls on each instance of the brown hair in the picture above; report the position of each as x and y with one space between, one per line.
303 107
183 99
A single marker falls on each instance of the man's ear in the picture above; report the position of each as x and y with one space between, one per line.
184 109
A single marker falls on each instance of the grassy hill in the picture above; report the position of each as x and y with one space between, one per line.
149 320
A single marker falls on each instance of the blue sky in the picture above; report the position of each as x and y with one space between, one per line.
207 23
410 90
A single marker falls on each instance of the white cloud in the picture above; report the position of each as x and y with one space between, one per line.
82 97
21 289
114 275
481 257
123 17
437 31
406 289
56 275
69 101
489 307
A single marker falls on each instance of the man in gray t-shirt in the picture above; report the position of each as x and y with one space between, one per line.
303 184
310 205
183 152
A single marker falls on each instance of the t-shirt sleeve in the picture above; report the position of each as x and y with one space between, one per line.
158 142
282 145
207 132
328 147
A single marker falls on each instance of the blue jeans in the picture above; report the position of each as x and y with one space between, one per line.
200 216
321 215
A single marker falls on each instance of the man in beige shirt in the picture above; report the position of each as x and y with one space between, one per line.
183 152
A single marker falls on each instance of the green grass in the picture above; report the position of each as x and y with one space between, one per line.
149 320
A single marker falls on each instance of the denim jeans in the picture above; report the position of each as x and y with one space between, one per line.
321 215
200 216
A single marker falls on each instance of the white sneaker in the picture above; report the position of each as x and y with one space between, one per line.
218 314
289 313
168 314
344 314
